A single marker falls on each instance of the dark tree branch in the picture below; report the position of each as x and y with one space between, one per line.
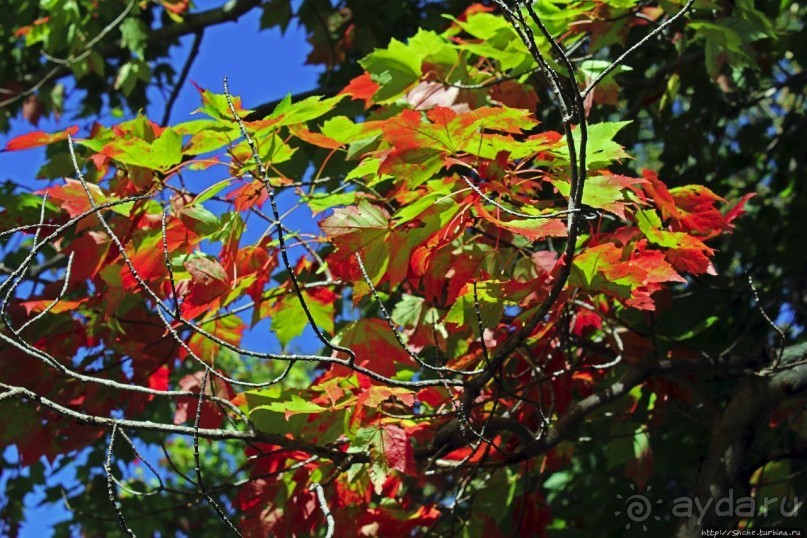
734 430
333 454
636 47
565 426
194 23
186 68
229 12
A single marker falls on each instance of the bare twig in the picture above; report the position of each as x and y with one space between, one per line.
64 64
197 464
616 63
780 334
397 335
323 505
111 488
264 178
183 75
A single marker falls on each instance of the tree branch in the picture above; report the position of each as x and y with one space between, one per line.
734 430
194 23
565 426
333 454
186 68
229 12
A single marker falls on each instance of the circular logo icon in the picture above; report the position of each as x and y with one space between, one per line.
638 508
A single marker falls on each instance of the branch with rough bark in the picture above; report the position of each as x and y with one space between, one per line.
565 426
734 431
191 24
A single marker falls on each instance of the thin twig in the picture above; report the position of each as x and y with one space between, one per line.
323 505
197 464
782 337
186 68
264 178
111 488
605 72
397 335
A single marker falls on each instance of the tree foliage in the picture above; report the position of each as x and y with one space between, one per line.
544 253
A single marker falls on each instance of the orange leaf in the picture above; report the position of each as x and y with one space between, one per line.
249 195
361 88
38 138
315 139
532 229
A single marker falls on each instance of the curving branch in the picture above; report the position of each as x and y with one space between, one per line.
734 430
197 465
565 426
656 31
333 454
231 11
323 505
183 75
110 485
192 24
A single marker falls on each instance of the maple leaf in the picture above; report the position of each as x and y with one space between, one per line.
185 409
738 208
296 405
602 268
512 94
389 521
198 220
397 449
362 88
685 252
289 319
215 105
36 139
58 308
444 275
492 300
288 113
159 379
253 262
432 396
610 192
355 227
228 328
394 69
73 198
375 395
418 147
451 132
315 139
601 149
532 229
91 248
161 153
691 209
208 282
375 346
365 229
249 195
148 261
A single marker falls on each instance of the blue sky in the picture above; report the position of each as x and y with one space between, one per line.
261 66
